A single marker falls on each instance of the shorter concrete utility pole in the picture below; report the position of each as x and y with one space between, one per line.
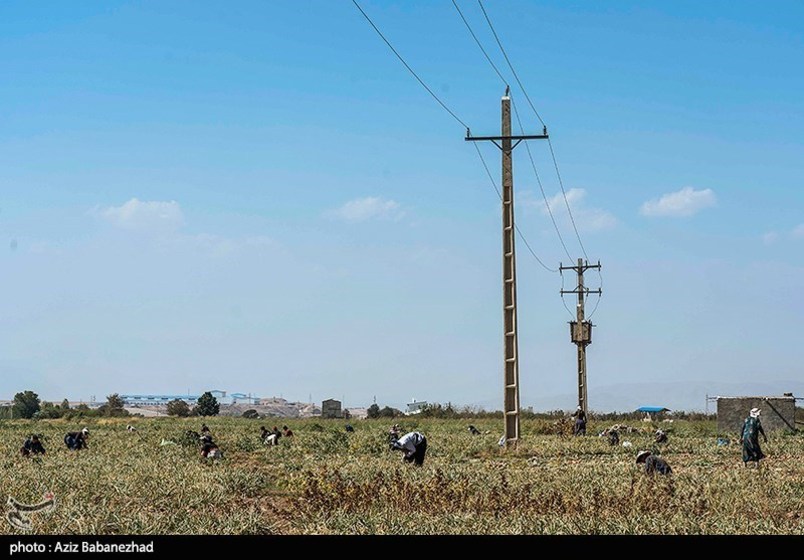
581 329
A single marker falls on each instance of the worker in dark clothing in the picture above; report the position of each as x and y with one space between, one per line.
613 437
287 432
580 421
76 440
661 436
349 428
32 446
474 431
209 449
749 437
653 464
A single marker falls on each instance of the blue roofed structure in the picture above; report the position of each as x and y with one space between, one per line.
652 409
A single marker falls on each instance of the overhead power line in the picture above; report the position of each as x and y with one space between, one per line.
521 236
539 182
479 44
511 66
402 60
549 142
444 106
521 128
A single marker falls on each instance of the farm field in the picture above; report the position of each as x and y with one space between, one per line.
325 481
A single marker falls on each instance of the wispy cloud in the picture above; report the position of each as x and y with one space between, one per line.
683 203
770 237
367 208
798 231
164 220
586 218
148 216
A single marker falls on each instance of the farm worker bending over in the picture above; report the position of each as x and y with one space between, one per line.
76 440
414 444
653 464
31 446
752 427
209 449
270 438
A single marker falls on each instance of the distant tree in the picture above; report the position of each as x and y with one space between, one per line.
26 404
48 410
388 412
113 406
65 404
178 407
114 401
207 405
373 411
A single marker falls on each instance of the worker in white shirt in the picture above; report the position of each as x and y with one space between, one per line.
414 445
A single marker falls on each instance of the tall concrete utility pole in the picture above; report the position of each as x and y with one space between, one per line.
581 329
506 142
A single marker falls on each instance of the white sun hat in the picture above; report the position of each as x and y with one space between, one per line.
754 413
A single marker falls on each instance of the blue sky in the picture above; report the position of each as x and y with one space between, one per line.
260 198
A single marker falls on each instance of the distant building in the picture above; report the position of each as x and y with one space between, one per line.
331 408
415 407
244 399
359 413
156 400
778 413
151 399
652 412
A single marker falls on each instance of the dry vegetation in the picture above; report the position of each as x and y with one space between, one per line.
325 481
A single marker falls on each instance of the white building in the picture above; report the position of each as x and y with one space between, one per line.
415 407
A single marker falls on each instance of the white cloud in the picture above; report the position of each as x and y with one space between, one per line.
368 208
798 231
770 237
586 219
686 202
149 216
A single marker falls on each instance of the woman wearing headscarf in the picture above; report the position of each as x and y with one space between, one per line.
653 464
749 437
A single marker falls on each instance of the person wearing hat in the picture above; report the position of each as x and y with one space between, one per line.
749 437
76 440
414 444
653 464
580 421
661 436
